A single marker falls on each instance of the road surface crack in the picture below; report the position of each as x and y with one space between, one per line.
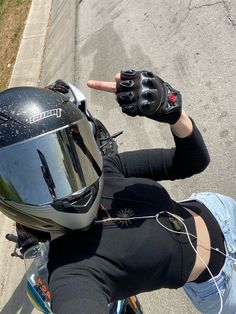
226 6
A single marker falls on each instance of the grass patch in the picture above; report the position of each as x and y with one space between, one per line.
13 14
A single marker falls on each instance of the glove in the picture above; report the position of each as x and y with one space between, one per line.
144 94
28 237
59 86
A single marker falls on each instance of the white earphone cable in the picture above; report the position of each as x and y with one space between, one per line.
181 220
190 242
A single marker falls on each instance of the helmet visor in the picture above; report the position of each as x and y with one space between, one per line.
51 166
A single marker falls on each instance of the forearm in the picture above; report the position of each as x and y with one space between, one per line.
183 127
191 154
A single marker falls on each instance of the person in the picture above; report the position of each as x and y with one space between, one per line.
125 235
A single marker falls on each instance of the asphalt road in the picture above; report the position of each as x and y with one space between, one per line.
189 43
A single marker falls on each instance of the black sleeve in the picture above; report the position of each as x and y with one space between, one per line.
189 157
76 283
77 295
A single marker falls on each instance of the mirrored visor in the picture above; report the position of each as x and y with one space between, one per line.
50 167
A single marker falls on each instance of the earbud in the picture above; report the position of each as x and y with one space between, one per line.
181 221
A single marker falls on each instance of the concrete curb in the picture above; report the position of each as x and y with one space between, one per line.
29 59
47 51
26 71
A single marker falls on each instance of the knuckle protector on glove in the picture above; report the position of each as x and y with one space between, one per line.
127 74
131 109
158 100
127 92
145 94
151 96
125 98
124 85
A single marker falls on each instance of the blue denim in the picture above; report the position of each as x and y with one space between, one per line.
205 295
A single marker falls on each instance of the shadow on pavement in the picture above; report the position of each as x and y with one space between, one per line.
19 302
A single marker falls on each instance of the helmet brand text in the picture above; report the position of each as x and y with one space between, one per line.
46 114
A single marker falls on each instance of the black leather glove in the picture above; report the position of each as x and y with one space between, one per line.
28 237
59 86
144 94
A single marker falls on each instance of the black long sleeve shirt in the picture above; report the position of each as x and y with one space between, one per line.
117 259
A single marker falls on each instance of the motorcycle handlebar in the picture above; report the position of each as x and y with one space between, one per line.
11 237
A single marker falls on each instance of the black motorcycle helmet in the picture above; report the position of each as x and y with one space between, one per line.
50 165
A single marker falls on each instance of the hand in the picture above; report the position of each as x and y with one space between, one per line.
28 237
59 86
143 93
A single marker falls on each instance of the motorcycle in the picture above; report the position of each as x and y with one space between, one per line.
35 257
